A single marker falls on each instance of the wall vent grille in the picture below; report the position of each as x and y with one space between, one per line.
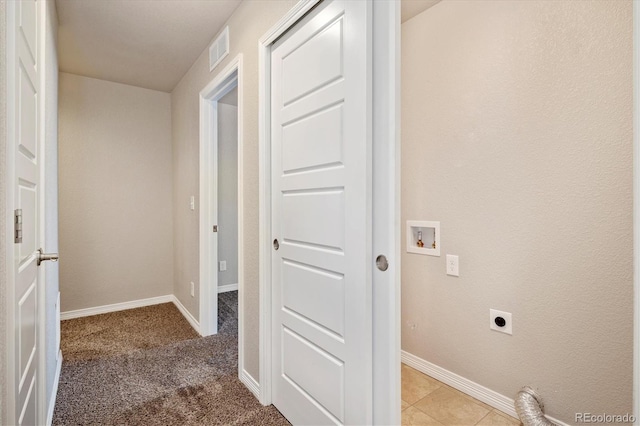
219 49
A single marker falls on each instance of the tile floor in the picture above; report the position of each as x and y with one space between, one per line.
426 401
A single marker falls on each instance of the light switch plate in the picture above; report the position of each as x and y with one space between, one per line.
453 268
192 203
193 289
223 265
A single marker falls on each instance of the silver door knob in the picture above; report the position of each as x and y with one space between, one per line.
276 244
41 257
382 263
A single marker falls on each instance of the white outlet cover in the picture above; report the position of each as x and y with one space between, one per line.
192 202
223 265
193 289
508 326
453 265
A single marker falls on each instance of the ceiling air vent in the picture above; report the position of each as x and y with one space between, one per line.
219 49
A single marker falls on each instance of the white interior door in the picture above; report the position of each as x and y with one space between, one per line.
24 102
321 217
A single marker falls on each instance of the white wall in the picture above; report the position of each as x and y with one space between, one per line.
228 188
517 136
116 241
248 23
51 196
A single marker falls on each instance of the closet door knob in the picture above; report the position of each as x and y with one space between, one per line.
382 263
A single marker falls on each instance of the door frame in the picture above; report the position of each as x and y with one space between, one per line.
636 211
386 237
10 87
225 81
264 191
386 203
43 410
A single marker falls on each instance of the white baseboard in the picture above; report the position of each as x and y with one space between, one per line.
251 383
105 309
479 392
228 287
116 307
185 313
54 391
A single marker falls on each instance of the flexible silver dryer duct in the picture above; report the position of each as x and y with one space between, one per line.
530 408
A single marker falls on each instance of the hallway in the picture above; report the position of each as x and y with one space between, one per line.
148 366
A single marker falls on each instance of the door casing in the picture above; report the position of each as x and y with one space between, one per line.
636 211
222 83
386 204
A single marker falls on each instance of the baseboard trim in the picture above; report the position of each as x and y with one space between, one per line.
105 309
54 390
228 287
251 383
479 392
186 314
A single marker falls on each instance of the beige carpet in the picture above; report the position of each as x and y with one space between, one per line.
147 366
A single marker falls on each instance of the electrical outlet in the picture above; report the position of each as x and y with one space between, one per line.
193 289
192 202
453 268
500 321
223 265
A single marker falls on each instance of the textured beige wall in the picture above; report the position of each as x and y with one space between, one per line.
3 197
247 24
517 136
115 193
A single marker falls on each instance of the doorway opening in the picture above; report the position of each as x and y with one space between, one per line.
221 206
226 207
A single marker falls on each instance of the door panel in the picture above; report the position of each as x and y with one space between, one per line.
26 192
27 200
303 362
323 209
321 190
28 24
29 414
315 294
27 309
314 141
320 56
28 132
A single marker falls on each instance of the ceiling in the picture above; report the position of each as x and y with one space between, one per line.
145 43
411 8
